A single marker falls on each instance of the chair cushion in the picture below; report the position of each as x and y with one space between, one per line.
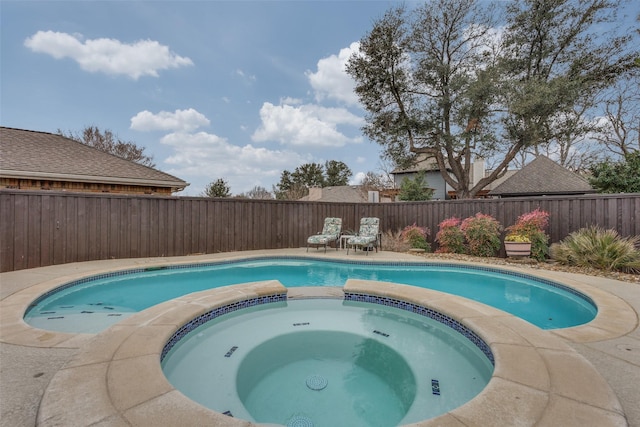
332 226
322 239
361 240
369 227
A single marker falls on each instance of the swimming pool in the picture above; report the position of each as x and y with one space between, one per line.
94 303
327 362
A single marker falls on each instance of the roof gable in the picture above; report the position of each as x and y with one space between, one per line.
41 155
542 176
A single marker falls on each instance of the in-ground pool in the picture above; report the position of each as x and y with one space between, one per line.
324 362
94 303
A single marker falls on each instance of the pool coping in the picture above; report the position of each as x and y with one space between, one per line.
516 341
126 384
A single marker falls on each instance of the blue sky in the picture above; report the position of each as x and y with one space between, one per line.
239 90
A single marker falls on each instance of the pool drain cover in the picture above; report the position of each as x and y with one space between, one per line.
316 382
300 422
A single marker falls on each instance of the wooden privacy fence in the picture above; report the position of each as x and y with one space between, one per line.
46 228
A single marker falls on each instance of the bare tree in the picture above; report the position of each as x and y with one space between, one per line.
108 142
619 130
257 192
570 143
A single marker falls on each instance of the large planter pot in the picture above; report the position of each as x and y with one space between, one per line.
517 249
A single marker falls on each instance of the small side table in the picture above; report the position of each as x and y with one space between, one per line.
343 240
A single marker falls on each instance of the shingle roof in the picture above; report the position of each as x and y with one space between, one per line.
40 155
542 176
339 194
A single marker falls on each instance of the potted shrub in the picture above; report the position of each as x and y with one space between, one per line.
529 228
517 245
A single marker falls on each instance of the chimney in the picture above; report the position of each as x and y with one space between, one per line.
478 171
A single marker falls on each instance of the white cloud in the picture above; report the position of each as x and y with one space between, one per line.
357 178
181 120
250 78
208 156
305 125
331 81
290 101
109 56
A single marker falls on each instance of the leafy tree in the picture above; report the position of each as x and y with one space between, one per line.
217 188
309 174
336 173
617 177
286 181
295 185
294 192
108 142
553 70
288 188
438 82
415 189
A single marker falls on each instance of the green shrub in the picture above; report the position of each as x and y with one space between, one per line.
449 237
482 233
599 248
416 237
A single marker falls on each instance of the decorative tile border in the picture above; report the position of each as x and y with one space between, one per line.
348 296
426 312
217 312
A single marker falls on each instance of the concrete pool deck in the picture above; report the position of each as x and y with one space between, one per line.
587 375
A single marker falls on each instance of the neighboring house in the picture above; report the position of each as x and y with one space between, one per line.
32 160
485 192
342 194
542 177
433 177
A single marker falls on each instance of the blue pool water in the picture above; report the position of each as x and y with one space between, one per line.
92 305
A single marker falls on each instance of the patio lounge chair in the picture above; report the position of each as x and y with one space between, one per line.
330 233
367 236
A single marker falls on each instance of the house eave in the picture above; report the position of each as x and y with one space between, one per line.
546 193
174 185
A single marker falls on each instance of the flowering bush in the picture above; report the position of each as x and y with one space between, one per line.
416 236
531 226
449 237
482 233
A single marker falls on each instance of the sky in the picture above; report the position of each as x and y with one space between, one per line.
239 90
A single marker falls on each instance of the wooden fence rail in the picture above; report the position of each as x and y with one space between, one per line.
45 228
